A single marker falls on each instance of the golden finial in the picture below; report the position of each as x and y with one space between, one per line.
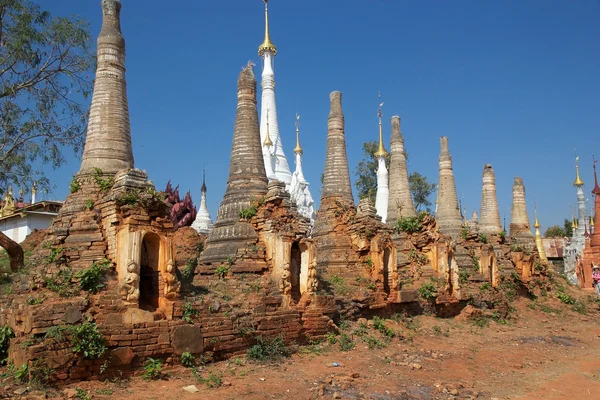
267 45
34 189
268 141
297 149
591 220
381 150
578 181
536 224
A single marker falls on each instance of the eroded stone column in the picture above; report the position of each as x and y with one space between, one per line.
108 139
400 202
448 213
247 178
336 180
519 219
489 220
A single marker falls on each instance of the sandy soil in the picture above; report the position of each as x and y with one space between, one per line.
551 354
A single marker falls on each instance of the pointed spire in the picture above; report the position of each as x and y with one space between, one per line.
489 222
448 213
268 142
203 188
297 149
596 190
108 138
336 179
247 178
267 45
33 192
380 150
578 181
519 218
400 202
539 243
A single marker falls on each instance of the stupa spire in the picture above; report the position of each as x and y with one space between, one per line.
267 45
400 202
578 181
108 138
203 224
336 179
519 219
539 243
448 213
299 192
247 179
275 155
489 217
381 199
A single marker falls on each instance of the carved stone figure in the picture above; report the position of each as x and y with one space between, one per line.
285 287
130 290
313 282
172 284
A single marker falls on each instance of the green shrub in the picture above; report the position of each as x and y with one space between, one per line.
248 212
373 342
130 198
55 255
346 343
565 298
502 235
87 340
483 238
104 184
21 375
428 291
187 359
408 225
268 350
463 276
152 369
74 186
331 338
89 204
417 258
213 380
91 279
34 300
485 287
222 271
188 313
464 232
6 333
60 283
187 274
82 394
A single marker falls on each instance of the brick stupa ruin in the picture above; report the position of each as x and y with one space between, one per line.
447 212
400 202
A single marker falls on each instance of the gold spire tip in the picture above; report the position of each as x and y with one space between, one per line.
268 141
297 149
578 181
267 45
380 150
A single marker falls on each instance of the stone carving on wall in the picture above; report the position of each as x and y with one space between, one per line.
313 281
285 286
130 290
172 284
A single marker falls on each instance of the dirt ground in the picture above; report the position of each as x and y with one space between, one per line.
547 351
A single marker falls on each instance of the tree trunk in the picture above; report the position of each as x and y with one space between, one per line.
14 250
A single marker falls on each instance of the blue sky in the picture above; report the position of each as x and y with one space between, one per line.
512 83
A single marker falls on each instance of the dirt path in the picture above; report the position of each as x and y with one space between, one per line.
538 356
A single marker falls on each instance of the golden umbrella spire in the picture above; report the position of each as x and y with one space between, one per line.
267 45
381 150
297 149
268 141
578 181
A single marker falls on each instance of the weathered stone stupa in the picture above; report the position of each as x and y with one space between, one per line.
108 138
489 221
400 202
520 229
591 254
247 179
203 224
334 245
448 213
